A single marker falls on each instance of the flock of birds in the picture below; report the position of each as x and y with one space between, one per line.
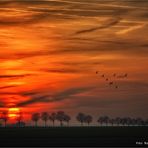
114 76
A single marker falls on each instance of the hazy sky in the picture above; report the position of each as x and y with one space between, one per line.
50 51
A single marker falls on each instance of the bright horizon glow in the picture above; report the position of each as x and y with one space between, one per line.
13 113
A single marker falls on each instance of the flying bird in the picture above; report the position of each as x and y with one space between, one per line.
103 75
122 76
116 87
111 83
114 75
126 75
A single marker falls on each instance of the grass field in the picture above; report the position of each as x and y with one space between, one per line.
73 136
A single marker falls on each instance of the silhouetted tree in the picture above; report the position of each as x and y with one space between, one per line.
45 117
67 118
146 122
106 120
129 121
101 120
19 118
112 121
118 120
5 117
142 122
20 124
81 118
133 121
52 117
35 118
139 121
88 119
123 121
60 117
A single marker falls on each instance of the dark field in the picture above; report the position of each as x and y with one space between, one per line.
74 136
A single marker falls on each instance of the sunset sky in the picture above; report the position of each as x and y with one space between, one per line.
50 51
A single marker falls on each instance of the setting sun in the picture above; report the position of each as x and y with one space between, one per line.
13 113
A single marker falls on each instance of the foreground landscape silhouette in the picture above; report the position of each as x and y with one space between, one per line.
107 132
64 119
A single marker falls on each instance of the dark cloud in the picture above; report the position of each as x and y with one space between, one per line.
135 85
8 93
2 104
80 63
14 76
30 19
35 99
64 70
62 10
32 2
38 98
29 93
9 86
70 92
107 25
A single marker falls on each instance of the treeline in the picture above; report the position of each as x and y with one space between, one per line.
61 117
83 119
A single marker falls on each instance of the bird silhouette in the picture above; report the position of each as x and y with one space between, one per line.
114 75
116 87
122 76
126 75
111 83
110 80
103 75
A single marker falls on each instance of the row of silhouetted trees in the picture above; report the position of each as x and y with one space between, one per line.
82 118
59 116
87 119
125 121
4 117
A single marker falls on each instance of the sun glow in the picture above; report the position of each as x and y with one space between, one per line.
13 113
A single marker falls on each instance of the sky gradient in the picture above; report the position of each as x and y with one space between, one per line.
51 50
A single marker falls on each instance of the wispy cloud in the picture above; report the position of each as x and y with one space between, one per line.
2 104
107 25
64 70
9 86
38 98
13 76
64 42
35 99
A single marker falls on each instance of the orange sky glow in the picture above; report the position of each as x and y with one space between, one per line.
50 52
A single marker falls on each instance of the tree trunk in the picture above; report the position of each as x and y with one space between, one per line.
19 123
5 123
61 123
36 124
67 123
